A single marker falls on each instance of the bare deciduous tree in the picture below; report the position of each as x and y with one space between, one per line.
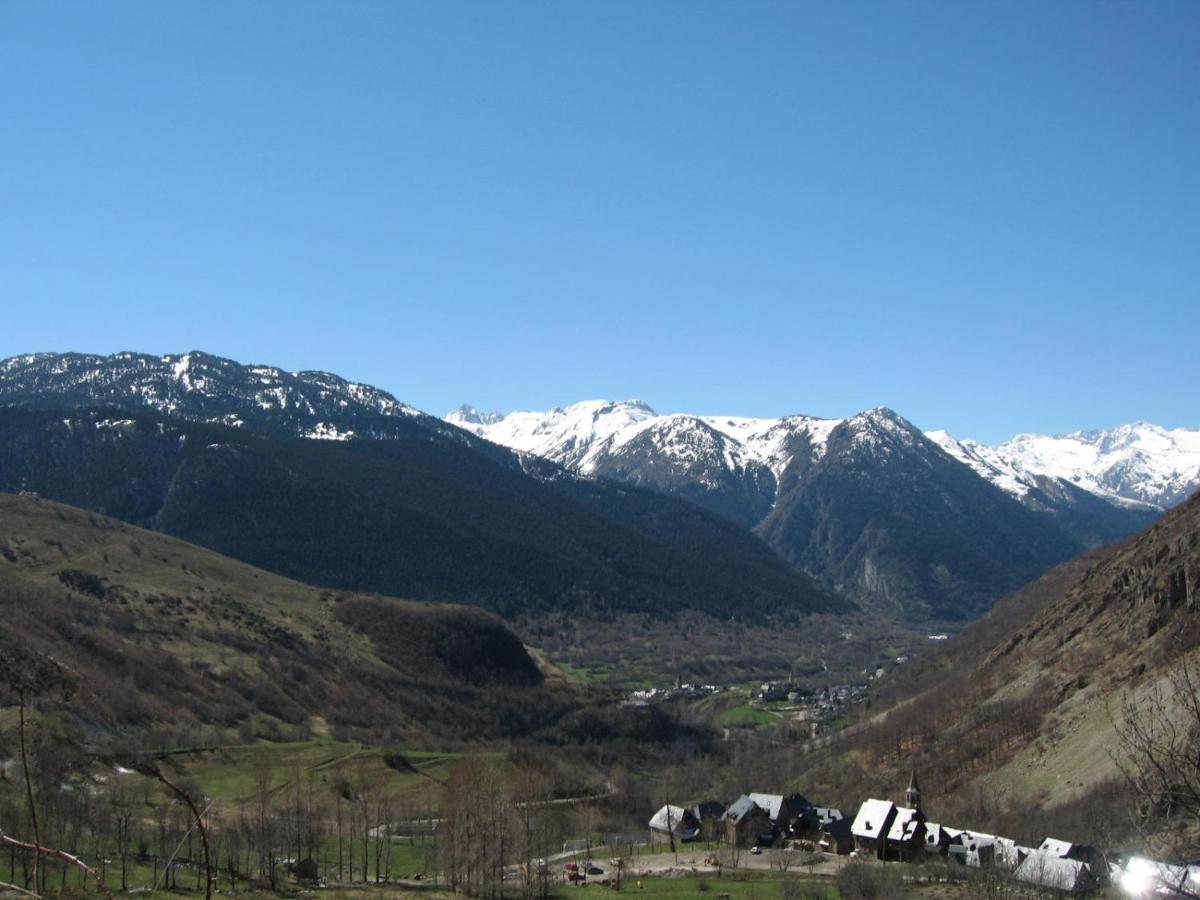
1159 751
26 674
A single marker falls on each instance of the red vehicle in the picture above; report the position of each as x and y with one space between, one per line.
573 873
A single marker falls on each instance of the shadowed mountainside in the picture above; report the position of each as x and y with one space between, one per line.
419 515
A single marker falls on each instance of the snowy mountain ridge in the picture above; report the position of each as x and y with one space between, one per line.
1135 464
1138 465
207 388
583 435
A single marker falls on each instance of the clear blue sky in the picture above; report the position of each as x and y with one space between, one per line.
986 215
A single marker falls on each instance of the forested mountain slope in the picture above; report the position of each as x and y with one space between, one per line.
419 514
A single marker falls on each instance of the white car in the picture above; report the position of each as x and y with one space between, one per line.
757 851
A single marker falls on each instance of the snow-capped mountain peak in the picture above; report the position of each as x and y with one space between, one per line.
567 435
205 388
467 415
1135 464
588 435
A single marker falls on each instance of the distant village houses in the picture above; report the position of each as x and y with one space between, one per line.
901 833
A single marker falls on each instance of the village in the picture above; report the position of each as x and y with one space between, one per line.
816 709
759 830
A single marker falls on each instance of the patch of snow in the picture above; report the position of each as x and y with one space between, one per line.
326 432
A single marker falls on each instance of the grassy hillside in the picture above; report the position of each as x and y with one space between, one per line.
176 644
1021 712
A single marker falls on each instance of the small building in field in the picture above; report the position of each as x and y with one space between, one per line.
771 691
677 821
747 824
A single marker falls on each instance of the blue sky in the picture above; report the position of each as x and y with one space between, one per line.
986 215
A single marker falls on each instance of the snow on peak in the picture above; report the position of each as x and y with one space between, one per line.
200 386
583 434
565 435
1008 475
469 415
880 430
1135 464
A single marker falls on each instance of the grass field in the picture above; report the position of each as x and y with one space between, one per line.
234 773
745 715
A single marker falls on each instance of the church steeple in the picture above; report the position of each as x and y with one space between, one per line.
912 794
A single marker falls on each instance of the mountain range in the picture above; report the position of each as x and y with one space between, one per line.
869 503
596 508
341 485
1138 465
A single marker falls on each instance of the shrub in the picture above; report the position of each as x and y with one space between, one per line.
867 881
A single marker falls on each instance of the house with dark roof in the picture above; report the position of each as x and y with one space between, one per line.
710 814
709 809
905 841
808 824
780 808
835 837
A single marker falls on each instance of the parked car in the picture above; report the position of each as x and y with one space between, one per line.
595 870
757 851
